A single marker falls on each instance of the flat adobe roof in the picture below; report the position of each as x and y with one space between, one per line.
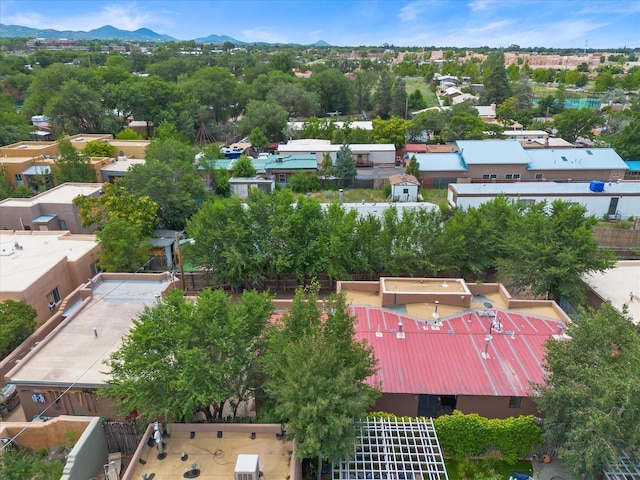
20 267
64 193
74 354
617 284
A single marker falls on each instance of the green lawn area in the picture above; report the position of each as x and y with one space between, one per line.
521 466
434 195
415 83
350 195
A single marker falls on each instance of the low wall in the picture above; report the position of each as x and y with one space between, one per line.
50 434
89 454
358 286
617 237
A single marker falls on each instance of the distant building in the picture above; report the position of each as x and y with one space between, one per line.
49 210
404 188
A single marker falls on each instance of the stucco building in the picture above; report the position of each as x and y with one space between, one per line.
42 268
49 210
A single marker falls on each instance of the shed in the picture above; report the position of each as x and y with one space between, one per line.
404 188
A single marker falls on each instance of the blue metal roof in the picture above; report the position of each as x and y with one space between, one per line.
440 162
575 159
298 161
479 152
633 165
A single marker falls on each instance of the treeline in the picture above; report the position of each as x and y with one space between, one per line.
542 248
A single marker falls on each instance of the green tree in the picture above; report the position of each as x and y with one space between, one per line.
604 81
99 148
72 166
128 134
393 131
382 95
590 397
326 168
399 99
170 179
270 118
417 100
627 142
574 123
303 182
551 247
123 246
496 84
18 322
182 356
13 127
243 167
215 88
316 376
333 90
258 139
413 167
345 166
116 202
295 99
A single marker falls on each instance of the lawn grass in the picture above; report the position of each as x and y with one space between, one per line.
521 466
351 195
418 83
434 195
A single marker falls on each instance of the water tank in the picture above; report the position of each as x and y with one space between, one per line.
596 186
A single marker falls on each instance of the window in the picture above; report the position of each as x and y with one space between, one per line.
512 176
282 177
526 202
54 298
63 225
405 191
18 180
539 176
94 269
515 402
615 175
489 176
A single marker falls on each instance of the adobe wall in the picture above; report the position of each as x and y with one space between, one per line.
89 454
52 433
494 407
401 404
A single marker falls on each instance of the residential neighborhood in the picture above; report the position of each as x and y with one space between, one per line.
314 261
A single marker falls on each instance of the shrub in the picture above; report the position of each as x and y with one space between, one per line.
302 182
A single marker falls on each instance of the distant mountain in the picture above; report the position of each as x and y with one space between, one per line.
103 33
218 39
109 32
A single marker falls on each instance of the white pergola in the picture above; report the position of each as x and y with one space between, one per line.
625 469
394 450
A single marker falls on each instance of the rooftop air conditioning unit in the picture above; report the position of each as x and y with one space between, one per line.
247 467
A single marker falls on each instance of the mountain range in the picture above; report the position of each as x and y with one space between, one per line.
109 32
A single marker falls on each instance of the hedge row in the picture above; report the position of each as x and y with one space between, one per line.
462 436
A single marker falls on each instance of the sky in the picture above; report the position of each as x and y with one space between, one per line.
441 23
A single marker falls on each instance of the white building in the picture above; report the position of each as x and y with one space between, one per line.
364 154
404 188
614 199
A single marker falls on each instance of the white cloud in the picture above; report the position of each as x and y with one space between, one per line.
414 10
261 34
128 16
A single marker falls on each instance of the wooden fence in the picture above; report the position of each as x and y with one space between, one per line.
123 437
617 237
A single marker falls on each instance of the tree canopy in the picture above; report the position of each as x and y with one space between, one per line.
182 356
316 375
18 322
591 396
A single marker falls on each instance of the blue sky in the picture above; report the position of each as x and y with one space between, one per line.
458 23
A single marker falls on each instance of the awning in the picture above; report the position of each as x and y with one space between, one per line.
44 218
37 170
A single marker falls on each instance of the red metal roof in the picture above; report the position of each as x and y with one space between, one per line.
449 360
